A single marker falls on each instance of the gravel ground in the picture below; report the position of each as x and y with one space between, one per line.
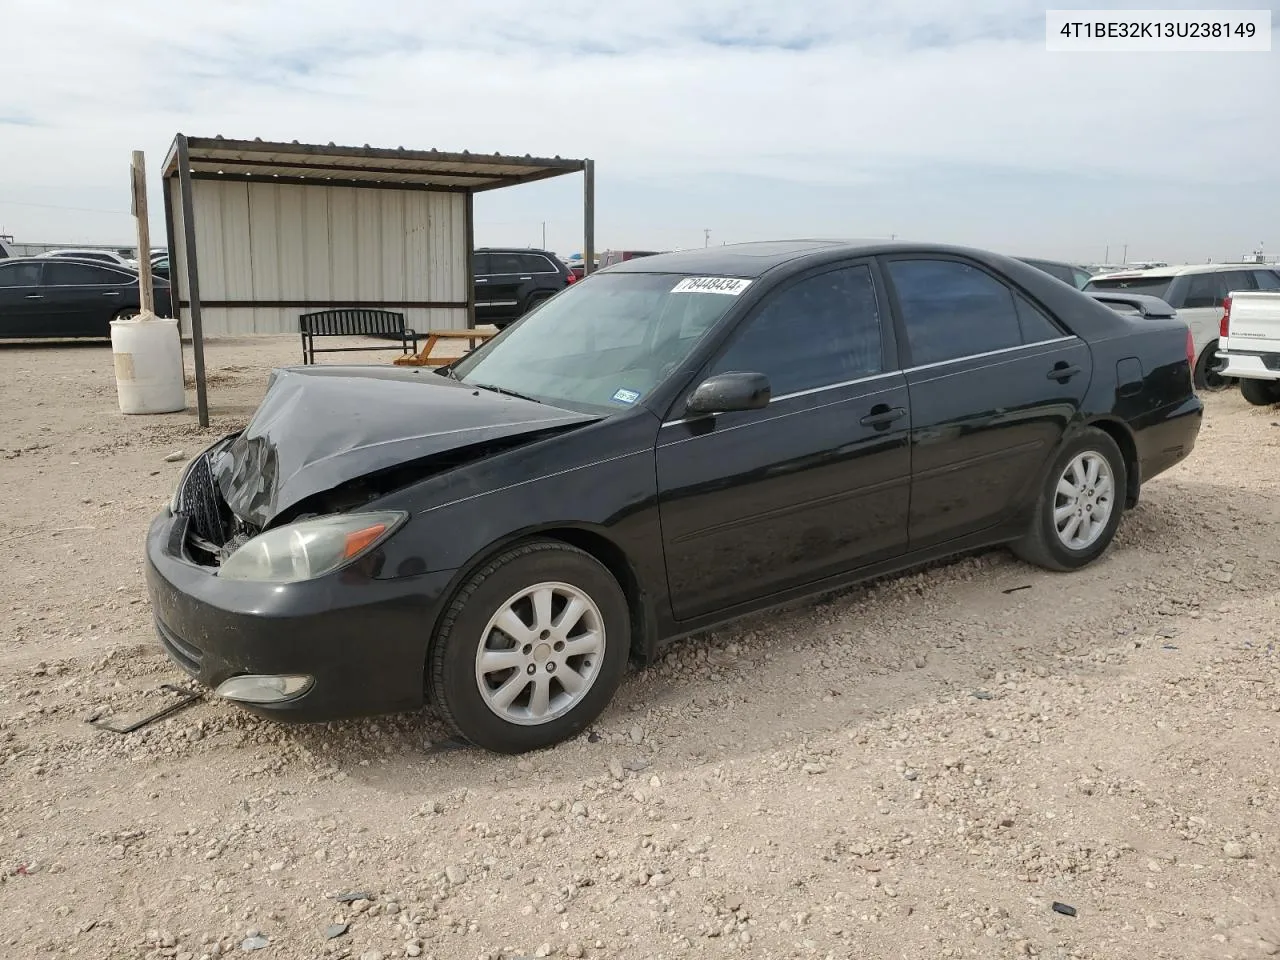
919 768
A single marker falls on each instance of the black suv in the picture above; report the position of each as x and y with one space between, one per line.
510 283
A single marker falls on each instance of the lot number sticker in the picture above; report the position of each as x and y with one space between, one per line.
727 285
626 396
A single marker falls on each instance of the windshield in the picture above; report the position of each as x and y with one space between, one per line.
1148 286
604 343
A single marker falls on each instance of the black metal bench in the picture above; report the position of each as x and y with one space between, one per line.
355 322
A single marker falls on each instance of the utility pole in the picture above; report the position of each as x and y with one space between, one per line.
544 234
706 238
1106 257
1124 257
146 289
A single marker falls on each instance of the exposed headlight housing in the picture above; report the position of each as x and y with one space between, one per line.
309 548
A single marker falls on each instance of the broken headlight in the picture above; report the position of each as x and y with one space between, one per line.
309 548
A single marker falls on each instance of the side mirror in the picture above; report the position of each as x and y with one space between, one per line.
727 392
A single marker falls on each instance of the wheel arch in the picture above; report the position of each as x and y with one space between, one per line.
596 544
1119 431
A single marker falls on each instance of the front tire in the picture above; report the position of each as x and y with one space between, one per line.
1260 393
531 649
1080 503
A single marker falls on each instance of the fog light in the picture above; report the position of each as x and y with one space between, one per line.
273 688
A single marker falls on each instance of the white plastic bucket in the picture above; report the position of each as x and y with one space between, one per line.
148 361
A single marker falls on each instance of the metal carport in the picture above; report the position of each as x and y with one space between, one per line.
259 232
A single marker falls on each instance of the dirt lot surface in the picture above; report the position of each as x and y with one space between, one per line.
917 769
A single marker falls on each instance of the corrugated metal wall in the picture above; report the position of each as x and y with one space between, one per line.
293 242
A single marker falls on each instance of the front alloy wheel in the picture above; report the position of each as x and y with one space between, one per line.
531 648
540 653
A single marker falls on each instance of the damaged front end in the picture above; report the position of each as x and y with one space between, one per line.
325 444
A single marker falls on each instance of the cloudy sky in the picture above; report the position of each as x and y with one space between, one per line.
916 118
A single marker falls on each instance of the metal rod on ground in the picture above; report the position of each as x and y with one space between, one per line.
146 288
193 283
588 216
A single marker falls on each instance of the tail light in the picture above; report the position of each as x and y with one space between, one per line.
572 277
1224 325
1191 352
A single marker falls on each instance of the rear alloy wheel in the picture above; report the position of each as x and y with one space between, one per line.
128 313
531 649
1080 504
1260 393
1207 373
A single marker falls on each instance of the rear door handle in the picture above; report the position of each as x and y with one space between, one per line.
526 278
1062 372
112 293
34 296
882 415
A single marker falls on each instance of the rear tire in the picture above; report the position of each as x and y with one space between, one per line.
1260 393
128 313
1080 504
1207 377
516 632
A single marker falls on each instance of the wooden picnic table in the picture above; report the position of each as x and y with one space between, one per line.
423 357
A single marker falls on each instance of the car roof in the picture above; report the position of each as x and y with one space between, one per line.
750 260
545 253
119 267
1051 263
1168 273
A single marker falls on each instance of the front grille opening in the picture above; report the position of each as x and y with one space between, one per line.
213 531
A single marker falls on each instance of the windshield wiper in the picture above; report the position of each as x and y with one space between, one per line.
504 391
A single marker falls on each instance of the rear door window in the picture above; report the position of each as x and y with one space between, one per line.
1205 290
480 264
505 263
61 273
952 310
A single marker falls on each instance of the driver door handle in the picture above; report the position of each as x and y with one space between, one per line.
34 296
1063 371
882 415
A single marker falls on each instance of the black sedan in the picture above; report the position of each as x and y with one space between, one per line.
57 297
671 443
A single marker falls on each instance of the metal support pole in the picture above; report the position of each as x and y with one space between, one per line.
470 220
193 282
588 216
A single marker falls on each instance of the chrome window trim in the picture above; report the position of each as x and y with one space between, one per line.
892 373
988 353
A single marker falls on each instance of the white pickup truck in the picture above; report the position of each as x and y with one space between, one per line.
1249 344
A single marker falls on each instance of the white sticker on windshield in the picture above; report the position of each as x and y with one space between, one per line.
626 396
727 285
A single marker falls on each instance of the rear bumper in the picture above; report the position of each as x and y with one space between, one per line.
1250 366
1168 436
363 640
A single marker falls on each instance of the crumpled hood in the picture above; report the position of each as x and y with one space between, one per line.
319 427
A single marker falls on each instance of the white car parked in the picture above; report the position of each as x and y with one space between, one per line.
105 256
1196 292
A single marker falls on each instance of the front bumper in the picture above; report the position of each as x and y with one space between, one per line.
363 640
1246 366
